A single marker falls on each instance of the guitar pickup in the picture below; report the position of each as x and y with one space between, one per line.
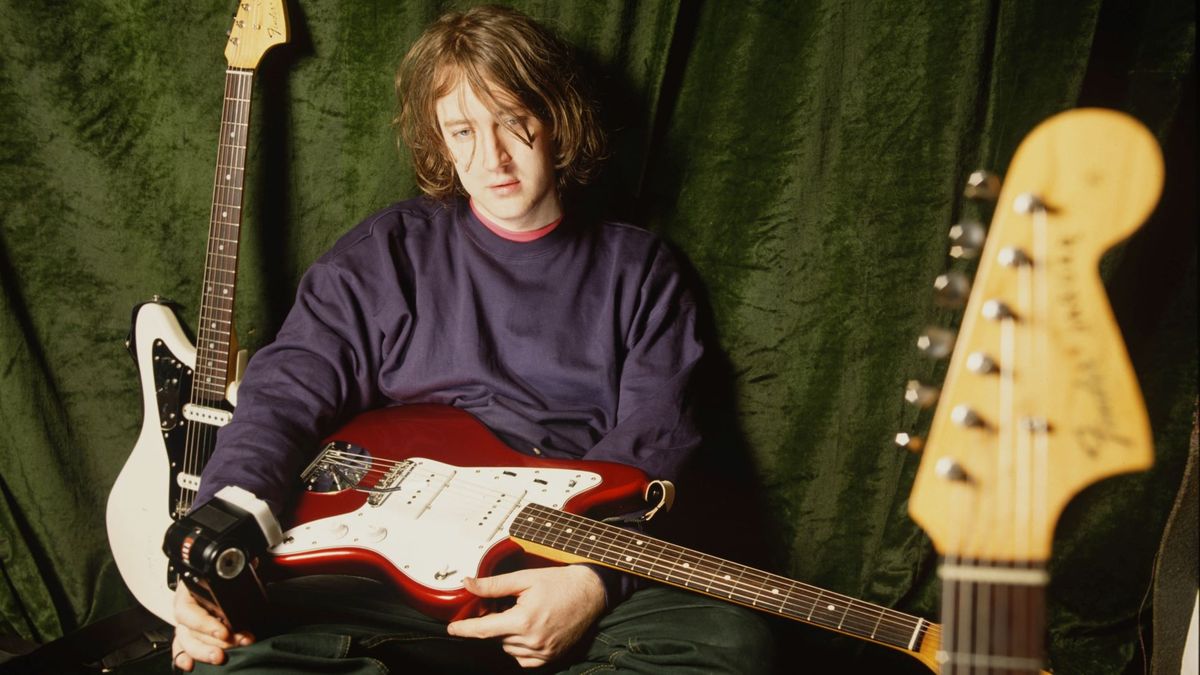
206 415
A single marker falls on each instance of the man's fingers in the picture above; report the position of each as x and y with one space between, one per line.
196 646
488 626
192 614
499 586
180 660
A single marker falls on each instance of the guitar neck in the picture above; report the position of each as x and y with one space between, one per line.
551 533
214 335
995 615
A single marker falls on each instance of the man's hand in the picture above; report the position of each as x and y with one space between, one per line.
555 606
199 636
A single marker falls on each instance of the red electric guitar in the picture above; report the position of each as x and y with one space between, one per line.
424 495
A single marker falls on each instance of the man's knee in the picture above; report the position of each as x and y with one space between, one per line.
667 628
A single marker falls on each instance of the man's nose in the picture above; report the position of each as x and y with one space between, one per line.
495 150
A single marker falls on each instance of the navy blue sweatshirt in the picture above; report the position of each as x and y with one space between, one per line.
580 343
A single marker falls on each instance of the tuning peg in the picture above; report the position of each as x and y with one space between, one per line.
920 395
966 239
996 310
964 416
936 342
982 186
1011 256
951 289
910 442
951 470
1027 203
980 363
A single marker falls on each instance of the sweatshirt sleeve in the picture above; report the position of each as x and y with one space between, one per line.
655 431
316 373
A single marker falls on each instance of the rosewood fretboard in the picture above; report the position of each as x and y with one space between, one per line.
683 567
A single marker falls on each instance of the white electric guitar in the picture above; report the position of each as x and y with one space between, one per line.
189 390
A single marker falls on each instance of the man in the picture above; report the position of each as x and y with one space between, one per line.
567 337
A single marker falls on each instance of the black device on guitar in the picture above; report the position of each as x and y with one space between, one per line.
215 548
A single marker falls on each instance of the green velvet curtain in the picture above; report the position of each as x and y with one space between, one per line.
806 156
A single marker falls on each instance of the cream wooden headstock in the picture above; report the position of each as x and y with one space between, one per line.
257 26
1040 399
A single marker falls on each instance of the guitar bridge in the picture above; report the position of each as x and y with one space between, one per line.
388 484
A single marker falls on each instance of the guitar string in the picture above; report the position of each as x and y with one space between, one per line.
583 531
1030 617
230 156
855 610
380 467
710 571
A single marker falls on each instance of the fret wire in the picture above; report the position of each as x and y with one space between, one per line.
912 622
898 623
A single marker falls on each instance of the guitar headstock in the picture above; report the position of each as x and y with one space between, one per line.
1040 399
257 26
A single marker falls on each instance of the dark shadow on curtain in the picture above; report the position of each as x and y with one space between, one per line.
276 258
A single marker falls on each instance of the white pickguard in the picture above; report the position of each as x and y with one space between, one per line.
443 520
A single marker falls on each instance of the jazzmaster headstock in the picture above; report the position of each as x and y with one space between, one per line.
1040 399
257 26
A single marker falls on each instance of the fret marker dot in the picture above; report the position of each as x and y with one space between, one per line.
546 524
569 530
227 176
210 289
212 345
224 214
687 565
213 324
529 519
775 591
231 134
831 608
221 247
593 537
640 542
225 291
628 558
208 379
727 577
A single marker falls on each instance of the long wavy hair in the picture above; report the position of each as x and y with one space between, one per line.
500 52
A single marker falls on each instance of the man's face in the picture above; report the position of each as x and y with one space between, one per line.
503 160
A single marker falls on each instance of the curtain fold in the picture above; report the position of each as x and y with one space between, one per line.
807 159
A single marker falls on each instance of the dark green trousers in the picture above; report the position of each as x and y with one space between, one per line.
342 625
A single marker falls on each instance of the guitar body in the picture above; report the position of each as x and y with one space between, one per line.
150 492
455 489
